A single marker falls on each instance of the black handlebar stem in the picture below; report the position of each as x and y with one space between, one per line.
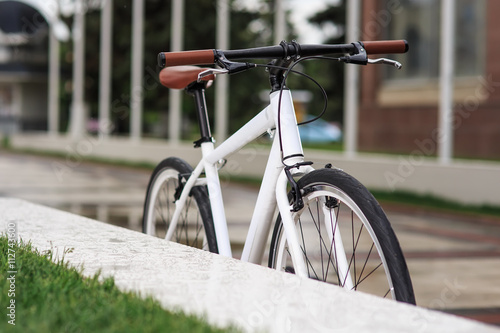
280 65
277 71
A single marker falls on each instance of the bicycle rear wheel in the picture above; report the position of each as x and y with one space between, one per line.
345 238
195 226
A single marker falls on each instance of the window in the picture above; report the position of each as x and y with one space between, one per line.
419 22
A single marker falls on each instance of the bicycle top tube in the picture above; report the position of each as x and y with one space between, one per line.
284 50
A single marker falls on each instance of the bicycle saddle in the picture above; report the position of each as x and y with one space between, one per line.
179 77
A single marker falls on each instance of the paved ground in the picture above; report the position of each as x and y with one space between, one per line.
454 261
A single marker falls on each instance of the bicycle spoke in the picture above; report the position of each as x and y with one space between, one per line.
333 241
322 242
308 261
186 220
333 233
354 246
199 228
304 251
328 264
161 209
369 273
364 266
320 248
329 251
353 256
334 245
169 213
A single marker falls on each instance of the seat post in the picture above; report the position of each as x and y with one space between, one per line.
197 90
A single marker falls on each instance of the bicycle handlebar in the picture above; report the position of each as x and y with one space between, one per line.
207 57
386 46
181 58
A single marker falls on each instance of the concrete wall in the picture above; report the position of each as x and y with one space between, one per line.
224 290
469 182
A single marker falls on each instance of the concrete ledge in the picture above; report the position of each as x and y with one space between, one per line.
224 290
469 182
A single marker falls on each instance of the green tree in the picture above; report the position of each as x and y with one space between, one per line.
330 74
200 27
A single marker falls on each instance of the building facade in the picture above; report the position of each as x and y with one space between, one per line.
399 110
23 68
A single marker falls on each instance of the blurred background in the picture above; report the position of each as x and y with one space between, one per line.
106 31
68 66
79 80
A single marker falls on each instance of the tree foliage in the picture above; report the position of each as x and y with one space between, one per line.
330 74
247 29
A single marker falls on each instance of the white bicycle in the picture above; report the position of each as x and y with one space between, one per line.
327 225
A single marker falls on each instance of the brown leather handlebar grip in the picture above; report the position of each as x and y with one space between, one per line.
386 46
199 57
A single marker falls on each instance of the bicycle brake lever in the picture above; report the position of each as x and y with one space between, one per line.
230 66
211 71
358 58
386 61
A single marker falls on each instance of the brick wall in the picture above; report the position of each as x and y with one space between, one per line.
402 129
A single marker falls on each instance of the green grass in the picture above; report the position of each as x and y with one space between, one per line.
434 203
5 143
53 297
326 146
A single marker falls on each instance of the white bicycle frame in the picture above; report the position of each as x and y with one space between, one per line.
273 190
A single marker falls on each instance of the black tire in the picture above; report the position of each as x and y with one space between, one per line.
195 226
327 193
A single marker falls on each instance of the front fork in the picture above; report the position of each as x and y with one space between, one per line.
291 234
297 252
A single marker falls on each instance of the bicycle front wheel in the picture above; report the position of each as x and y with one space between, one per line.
195 225
345 238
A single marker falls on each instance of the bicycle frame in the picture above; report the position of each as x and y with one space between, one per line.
273 191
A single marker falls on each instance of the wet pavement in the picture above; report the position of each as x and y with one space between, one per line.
454 260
